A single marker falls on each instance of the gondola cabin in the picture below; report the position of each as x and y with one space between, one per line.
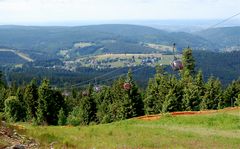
127 86
177 65
97 88
85 93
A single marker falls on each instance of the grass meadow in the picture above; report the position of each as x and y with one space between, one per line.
215 130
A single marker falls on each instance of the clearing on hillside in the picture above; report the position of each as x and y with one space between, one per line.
217 129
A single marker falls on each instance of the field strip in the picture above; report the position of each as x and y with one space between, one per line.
127 55
22 55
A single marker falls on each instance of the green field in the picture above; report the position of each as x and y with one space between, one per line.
164 59
216 130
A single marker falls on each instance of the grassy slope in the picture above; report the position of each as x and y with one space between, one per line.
218 130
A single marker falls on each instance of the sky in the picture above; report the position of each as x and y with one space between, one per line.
47 11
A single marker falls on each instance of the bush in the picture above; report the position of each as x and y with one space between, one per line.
237 102
13 109
62 120
74 117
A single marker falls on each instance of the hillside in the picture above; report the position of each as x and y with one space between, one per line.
217 130
9 57
224 65
225 37
47 41
73 48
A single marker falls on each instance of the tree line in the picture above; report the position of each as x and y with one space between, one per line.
186 91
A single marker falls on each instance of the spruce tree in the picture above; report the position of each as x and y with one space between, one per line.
135 98
88 111
31 99
85 113
231 94
177 88
199 82
170 103
237 101
23 107
132 104
49 103
104 100
212 95
13 109
191 99
1 79
157 89
117 92
3 96
150 100
188 61
62 119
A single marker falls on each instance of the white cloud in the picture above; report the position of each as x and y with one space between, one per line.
65 10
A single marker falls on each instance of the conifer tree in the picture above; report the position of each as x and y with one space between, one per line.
157 89
1 79
85 113
126 103
231 94
177 88
170 103
117 92
49 103
136 104
188 61
62 119
104 102
213 94
22 108
199 82
31 99
13 109
192 91
237 102
191 99
88 111
2 98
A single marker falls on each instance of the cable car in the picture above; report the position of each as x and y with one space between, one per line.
176 64
97 88
127 86
85 93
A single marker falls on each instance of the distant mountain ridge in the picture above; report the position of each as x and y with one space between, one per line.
49 40
223 37
45 42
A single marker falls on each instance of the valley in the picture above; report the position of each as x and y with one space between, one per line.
119 74
104 47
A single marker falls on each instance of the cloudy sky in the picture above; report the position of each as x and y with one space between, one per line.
37 11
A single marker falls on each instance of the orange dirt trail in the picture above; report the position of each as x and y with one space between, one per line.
184 113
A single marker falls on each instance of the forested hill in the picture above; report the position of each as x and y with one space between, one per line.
224 37
224 65
51 39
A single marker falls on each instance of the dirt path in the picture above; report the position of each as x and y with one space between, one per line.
184 113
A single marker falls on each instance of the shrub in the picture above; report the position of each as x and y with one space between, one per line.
74 117
13 109
62 120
